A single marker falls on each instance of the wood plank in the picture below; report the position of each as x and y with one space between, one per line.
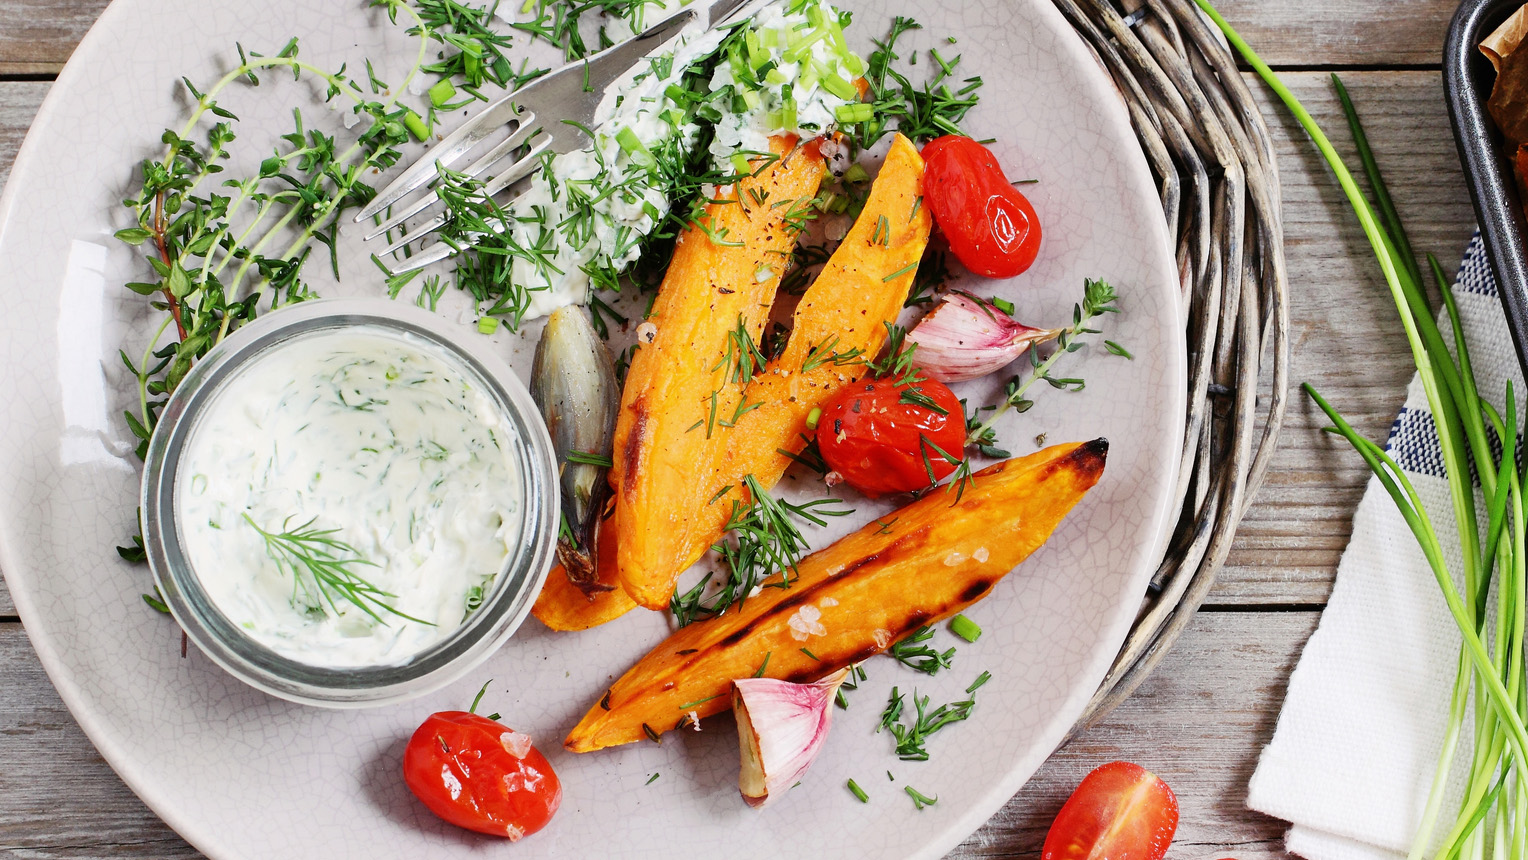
58 798
37 36
1345 337
1295 33
19 101
1199 723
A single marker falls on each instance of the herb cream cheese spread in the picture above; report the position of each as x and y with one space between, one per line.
348 498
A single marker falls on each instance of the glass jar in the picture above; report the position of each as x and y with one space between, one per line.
504 605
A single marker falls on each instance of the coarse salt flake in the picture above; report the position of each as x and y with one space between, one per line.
515 743
804 624
955 557
981 554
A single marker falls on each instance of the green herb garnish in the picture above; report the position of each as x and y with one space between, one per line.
965 628
911 738
322 570
760 549
858 792
912 653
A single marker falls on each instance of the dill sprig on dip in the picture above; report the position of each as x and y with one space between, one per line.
322 568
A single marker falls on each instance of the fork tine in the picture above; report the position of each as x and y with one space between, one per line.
517 171
508 145
446 153
527 165
433 254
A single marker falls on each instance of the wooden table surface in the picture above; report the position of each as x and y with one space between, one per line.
1202 720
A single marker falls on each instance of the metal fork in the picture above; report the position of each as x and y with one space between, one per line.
550 114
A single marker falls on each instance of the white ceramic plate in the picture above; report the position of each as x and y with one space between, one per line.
240 774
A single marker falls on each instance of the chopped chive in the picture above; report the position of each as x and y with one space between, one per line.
1002 304
965 628
633 146
858 792
442 92
813 417
853 113
835 84
856 173
488 325
919 799
416 125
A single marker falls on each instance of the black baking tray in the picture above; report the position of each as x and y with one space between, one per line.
1467 80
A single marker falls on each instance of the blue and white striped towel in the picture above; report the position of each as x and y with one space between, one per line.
1353 756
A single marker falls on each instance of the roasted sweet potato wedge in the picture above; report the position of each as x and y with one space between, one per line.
561 605
854 598
843 314
681 389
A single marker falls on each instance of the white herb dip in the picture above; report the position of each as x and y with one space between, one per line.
379 437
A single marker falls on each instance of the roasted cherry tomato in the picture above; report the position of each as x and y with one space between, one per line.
991 227
1121 811
477 774
885 438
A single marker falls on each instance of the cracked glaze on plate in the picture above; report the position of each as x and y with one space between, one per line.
240 774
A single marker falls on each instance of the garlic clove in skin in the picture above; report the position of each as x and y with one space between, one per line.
781 727
965 338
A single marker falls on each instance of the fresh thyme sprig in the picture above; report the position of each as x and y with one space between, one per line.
765 545
1098 298
322 568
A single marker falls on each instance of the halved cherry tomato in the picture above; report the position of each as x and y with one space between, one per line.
991 227
1121 811
886 438
477 774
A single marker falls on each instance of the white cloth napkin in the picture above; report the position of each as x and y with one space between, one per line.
1358 740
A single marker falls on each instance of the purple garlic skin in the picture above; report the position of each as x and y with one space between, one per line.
781 728
965 338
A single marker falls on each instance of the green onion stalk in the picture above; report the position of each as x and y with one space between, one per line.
1492 816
